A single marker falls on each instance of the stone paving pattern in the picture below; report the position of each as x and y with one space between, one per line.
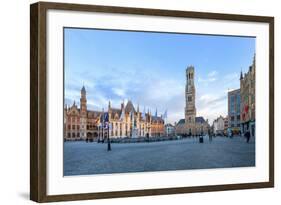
81 158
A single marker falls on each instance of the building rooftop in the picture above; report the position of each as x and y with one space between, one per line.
93 114
130 107
181 121
116 111
154 118
234 91
199 120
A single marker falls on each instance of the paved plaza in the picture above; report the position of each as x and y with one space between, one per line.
81 158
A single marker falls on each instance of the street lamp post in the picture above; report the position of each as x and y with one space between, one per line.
102 125
102 133
108 139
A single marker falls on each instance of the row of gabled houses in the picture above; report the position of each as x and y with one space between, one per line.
126 121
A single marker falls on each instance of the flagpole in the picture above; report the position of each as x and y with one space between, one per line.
108 140
102 124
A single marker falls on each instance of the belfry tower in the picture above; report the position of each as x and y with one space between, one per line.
83 102
83 114
190 109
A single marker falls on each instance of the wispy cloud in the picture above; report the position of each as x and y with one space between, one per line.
135 68
147 90
210 78
231 77
231 81
211 106
151 92
213 73
119 92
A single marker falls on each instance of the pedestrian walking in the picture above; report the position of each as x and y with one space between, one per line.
247 135
147 137
210 136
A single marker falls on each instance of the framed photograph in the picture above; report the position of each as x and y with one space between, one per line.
135 102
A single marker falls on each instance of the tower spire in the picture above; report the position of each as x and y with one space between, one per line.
83 89
83 102
109 104
241 75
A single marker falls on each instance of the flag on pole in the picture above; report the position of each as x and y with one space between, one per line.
104 119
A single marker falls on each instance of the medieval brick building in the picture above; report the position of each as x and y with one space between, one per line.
80 123
248 102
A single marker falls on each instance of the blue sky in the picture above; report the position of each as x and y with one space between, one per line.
149 69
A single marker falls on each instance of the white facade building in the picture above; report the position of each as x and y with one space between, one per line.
218 125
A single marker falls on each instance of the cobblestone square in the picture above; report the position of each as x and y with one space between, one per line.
81 158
